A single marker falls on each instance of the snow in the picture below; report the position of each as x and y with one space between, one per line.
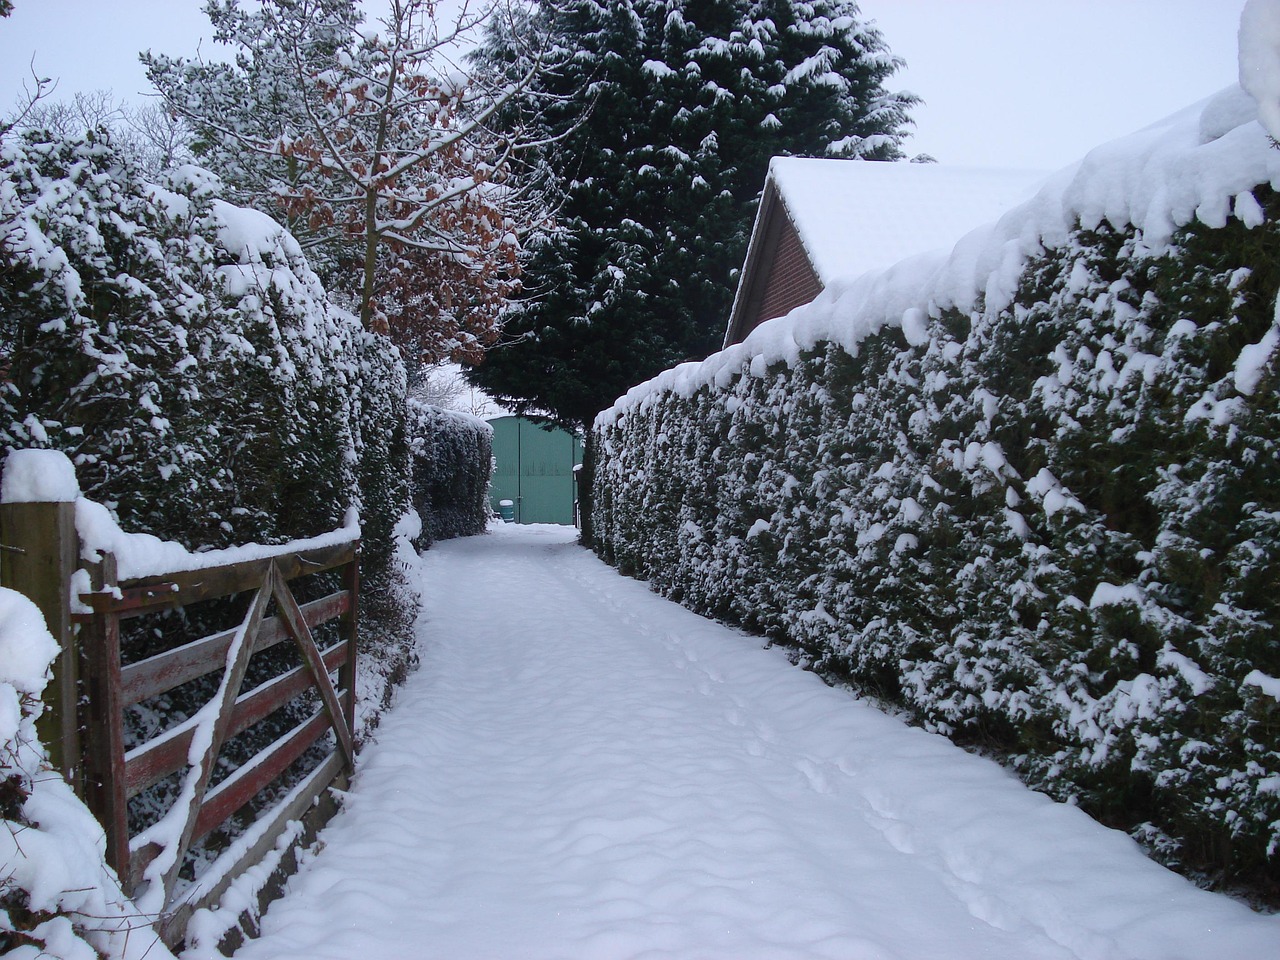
55 853
582 769
206 928
143 555
471 420
1108 594
38 476
1201 163
266 252
26 649
1053 498
1268 685
1260 59
1195 678
1254 357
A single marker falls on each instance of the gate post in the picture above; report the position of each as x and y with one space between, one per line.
39 553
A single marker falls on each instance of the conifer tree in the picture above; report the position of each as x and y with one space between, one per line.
663 115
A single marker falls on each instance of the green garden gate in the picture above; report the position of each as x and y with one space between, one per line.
534 470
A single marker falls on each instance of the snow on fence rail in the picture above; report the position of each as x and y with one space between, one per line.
155 577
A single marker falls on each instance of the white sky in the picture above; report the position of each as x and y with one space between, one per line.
1010 83
1038 83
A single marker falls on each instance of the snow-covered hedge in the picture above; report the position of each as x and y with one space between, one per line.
177 347
181 350
452 462
1029 490
58 897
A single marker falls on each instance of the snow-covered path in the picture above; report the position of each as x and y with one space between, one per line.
581 769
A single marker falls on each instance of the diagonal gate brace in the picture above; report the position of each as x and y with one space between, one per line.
296 624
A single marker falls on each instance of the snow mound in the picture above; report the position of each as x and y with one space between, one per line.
38 476
52 854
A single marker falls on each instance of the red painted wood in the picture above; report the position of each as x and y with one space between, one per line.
155 593
243 785
165 754
161 673
350 633
104 732
202 770
292 617
112 688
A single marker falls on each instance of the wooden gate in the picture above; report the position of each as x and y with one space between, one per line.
149 863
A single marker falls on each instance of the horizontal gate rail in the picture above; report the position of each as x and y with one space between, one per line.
305 797
161 673
167 753
180 588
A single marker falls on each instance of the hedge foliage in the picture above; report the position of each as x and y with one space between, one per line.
1053 530
205 408
184 354
452 455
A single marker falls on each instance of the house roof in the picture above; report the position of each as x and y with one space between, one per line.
854 216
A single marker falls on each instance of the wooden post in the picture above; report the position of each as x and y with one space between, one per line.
105 791
39 553
350 631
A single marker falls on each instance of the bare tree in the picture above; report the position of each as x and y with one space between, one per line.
31 97
380 149
157 138
443 385
149 136
85 111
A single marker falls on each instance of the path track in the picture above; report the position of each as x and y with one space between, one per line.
580 769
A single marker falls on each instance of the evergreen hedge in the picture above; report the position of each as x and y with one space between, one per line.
185 356
452 456
1052 529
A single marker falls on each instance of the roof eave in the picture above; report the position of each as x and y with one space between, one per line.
764 216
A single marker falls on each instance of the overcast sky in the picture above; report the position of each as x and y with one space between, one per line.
1010 83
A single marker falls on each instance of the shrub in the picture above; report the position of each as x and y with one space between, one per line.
58 898
452 456
183 353
1046 523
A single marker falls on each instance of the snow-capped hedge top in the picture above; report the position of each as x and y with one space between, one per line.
1199 164
466 419
178 348
1260 59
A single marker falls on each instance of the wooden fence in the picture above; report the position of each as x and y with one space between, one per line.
91 746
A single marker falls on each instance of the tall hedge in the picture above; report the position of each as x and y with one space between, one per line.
452 457
183 353
1052 529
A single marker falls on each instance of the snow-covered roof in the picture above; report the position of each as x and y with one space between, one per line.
858 215
1203 163
855 216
